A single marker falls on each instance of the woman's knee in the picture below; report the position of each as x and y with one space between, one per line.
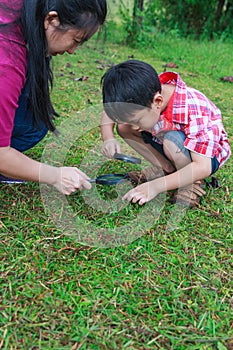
27 139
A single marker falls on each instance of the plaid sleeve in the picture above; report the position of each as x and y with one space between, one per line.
204 127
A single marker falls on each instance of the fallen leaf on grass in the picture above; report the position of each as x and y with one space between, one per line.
83 78
192 75
170 65
227 78
104 64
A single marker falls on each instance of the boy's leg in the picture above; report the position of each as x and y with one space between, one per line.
173 146
26 134
134 139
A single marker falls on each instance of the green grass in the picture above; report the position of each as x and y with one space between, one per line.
169 289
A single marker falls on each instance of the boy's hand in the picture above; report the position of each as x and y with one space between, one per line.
71 179
110 147
142 193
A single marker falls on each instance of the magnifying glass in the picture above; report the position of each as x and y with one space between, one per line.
110 179
115 179
9 181
127 159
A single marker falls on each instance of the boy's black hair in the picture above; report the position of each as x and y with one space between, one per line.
79 14
131 82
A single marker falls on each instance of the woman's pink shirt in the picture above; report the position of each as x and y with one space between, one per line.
13 66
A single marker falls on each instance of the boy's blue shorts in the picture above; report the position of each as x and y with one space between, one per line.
178 138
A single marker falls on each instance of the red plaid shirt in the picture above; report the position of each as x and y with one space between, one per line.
194 114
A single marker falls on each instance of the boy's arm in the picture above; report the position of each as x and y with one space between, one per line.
198 169
110 144
106 127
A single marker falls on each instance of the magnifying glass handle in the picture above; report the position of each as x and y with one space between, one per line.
92 181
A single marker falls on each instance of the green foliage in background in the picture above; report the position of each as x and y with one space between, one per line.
200 18
197 19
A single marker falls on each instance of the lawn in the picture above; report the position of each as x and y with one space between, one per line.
87 272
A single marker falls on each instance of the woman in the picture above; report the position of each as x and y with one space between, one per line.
31 31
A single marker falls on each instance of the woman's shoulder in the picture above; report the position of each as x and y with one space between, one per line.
10 11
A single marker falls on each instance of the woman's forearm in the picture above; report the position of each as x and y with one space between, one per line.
17 165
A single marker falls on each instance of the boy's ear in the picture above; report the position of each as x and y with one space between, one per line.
51 19
157 100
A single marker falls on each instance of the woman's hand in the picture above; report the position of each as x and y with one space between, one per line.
71 179
110 147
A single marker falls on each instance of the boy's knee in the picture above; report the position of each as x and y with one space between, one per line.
168 148
173 146
175 136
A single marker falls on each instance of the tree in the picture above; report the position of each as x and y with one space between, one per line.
224 15
199 17
196 18
136 24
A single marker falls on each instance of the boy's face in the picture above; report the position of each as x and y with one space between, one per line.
145 119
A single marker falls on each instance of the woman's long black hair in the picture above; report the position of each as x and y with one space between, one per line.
87 15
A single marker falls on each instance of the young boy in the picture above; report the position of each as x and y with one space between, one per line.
173 126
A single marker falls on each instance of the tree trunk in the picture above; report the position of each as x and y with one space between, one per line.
228 15
136 20
219 10
138 6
